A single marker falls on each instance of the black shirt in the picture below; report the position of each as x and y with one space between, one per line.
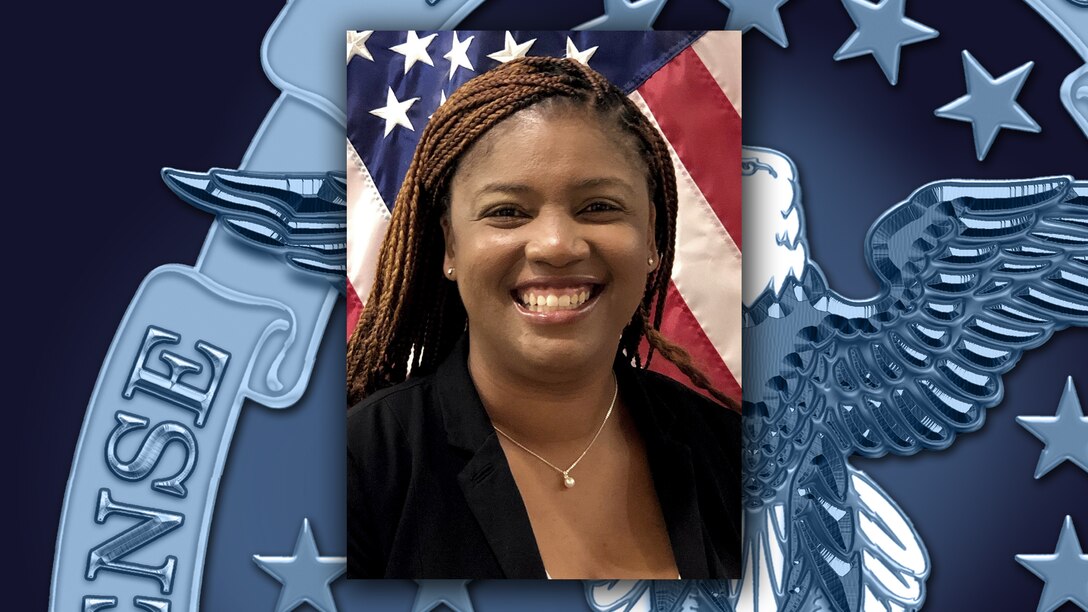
430 494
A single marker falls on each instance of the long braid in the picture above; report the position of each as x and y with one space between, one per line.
412 317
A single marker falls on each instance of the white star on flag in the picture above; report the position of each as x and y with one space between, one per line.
395 112
414 50
357 44
458 54
512 49
579 56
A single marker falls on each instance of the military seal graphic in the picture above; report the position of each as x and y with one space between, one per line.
974 274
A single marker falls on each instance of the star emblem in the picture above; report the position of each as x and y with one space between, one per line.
625 15
305 575
414 50
579 56
1065 572
458 54
357 44
511 49
759 14
395 112
990 104
882 31
1065 434
434 593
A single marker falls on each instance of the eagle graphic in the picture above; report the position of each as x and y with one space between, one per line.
972 273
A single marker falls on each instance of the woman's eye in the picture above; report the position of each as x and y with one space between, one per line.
601 206
504 211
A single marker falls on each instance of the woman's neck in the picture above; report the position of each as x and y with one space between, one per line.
556 407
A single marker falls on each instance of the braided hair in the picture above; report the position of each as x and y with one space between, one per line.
414 316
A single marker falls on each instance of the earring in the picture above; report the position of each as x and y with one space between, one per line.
449 272
650 261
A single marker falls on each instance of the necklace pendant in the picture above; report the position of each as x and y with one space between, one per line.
568 481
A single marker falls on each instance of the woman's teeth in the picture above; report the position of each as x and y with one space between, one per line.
551 302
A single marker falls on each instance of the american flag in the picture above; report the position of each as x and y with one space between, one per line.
687 83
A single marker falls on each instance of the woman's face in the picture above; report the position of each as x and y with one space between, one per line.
549 231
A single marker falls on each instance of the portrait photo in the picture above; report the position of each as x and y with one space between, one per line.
543 362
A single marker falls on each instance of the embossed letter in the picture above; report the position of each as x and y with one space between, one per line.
93 603
108 554
150 451
169 386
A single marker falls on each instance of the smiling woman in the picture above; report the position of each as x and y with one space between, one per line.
550 236
504 424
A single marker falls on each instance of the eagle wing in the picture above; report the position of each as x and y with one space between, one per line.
299 216
973 274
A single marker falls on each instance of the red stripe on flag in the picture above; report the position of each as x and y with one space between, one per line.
704 129
355 308
680 325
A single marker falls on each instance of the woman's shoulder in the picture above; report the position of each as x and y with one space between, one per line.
692 408
390 412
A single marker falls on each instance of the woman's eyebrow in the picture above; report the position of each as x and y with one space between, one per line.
601 181
504 188
582 184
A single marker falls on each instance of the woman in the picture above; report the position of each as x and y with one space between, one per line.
527 259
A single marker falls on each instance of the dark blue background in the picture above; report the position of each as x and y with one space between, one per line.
102 97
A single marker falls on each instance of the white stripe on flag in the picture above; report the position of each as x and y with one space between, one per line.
368 219
707 268
720 53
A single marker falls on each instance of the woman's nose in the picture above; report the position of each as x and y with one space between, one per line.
556 239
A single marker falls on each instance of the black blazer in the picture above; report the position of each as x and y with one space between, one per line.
430 494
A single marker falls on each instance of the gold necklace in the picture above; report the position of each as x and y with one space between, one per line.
568 480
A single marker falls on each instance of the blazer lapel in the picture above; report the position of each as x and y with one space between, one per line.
674 479
493 496
486 480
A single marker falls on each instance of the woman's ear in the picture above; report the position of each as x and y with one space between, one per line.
448 262
651 238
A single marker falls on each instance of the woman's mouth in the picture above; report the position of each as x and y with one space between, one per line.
551 301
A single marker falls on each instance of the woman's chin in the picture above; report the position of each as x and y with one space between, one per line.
555 344
562 358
